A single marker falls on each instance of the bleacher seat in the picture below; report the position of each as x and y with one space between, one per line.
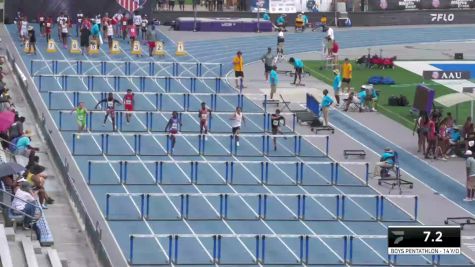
43 232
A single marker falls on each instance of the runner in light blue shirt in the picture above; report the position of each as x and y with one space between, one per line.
274 80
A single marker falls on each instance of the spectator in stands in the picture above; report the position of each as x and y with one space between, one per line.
431 138
24 203
10 182
32 160
23 145
337 86
327 101
265 16
298 66
386 161
347 74
470 167
268 60
238 63
16 129
36 176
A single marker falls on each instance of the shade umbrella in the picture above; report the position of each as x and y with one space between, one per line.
10 168
6 120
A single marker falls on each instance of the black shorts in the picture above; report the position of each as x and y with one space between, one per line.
239 74
235 129
84 43
275 130
64 34
104 28
267 68
346 80
298 70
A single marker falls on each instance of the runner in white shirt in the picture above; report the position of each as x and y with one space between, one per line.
24 30
110 34
59 20
137 22
64 33
236 120
330 33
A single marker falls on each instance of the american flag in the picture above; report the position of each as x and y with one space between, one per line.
130 5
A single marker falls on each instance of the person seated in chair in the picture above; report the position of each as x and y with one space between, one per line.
367 96
385 162
352 99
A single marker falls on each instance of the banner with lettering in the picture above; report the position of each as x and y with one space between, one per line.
381 5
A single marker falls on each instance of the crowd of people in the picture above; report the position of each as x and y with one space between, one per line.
439 137
28 186
95 29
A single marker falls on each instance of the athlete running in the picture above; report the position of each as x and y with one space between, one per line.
129 104
236 120
110 109
81 114
204 114
277 120
172 128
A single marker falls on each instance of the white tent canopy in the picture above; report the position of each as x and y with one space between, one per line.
451 100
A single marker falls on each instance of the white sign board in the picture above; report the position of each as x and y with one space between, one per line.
282 6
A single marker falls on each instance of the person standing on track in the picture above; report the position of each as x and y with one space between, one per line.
274 81
337 85
298 66
59 21
118 24
238 63
144 27
110 33
326 103
123 25
204 114
236 120
110 108
32 40
132 35
42 21
172 128
347 73
280 44
277 120
129 102
81 115
84 38
48 26
268 60
64 33
79 19
24 30
137 20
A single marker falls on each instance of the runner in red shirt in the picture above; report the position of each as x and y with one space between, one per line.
129 104
204 114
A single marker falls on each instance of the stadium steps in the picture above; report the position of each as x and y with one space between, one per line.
19 250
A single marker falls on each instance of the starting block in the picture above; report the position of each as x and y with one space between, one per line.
271 102
93 48
26 49
180 49
75 47
136 48
115 50
158 50
51 48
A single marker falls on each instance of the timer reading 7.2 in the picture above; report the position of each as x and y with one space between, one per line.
438 236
